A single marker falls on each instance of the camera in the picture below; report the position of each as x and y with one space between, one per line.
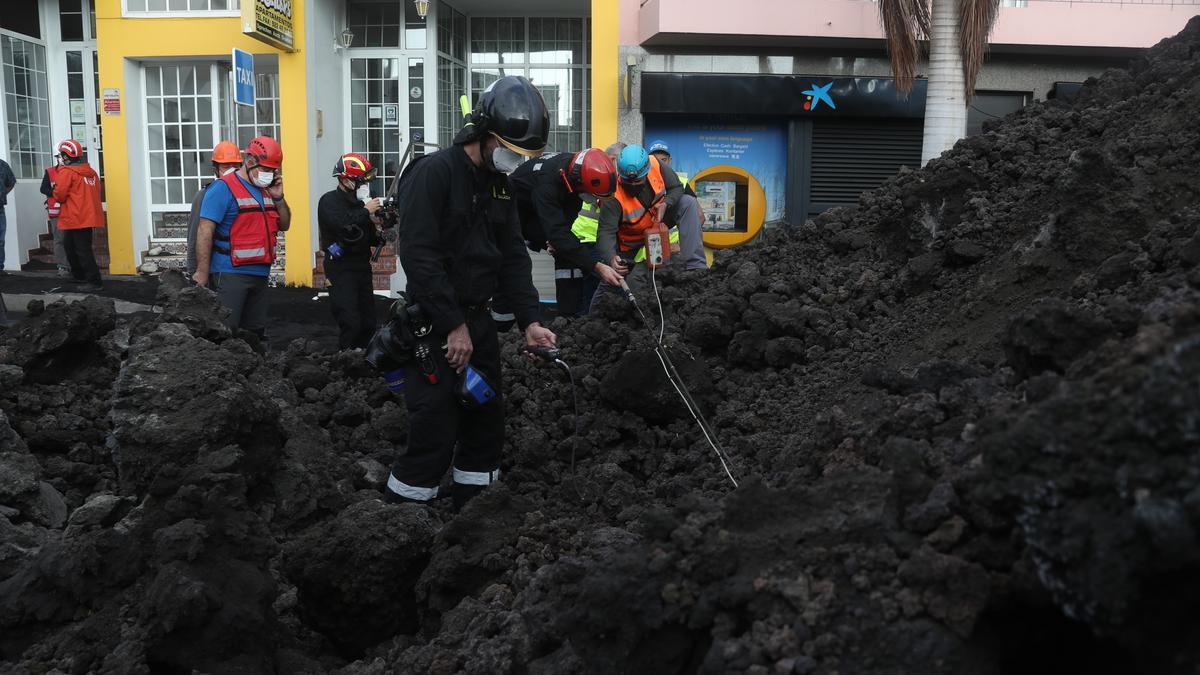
387 212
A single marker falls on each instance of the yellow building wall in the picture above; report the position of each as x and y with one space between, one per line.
119 39
605 84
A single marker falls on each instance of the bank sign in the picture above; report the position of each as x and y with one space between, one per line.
269 21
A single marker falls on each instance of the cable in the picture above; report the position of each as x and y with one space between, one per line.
680 387
696 416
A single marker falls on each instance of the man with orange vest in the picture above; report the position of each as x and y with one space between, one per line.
226 158
240 220
53 209
77 189
647 193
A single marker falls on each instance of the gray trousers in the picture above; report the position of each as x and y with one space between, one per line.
686 216
245 295
60 251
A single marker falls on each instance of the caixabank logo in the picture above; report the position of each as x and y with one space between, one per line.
814 95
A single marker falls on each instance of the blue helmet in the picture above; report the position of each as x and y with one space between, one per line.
633 163
660 146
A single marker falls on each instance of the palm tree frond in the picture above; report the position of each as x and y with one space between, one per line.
905 24
976 18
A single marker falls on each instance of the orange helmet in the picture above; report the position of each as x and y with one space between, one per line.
226 153
264 151
70 148
355 167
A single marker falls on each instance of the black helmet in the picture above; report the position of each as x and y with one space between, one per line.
513 110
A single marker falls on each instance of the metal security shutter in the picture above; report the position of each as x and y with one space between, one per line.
850 157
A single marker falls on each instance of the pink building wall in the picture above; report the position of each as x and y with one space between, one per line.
1058 24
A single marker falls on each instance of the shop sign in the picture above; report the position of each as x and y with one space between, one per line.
269 21
111 101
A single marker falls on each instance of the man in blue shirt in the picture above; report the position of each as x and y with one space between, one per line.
239 219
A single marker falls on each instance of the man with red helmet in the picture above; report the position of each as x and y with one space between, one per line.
549 192
240 220
346 224
77 190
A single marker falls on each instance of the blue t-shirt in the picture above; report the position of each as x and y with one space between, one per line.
220 206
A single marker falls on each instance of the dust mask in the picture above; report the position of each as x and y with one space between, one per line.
264 179
505 161
363 193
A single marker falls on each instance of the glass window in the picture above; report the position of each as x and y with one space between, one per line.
21 17
555 50
180 136
990 105
263 118
375 23
415 28
451 85
27 102
136 6
70 20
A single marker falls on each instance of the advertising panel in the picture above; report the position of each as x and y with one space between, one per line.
759 149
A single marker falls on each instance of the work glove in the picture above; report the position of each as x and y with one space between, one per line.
334 251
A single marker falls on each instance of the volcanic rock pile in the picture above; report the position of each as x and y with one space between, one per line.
962 415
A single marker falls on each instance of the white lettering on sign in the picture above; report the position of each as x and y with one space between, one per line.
245 76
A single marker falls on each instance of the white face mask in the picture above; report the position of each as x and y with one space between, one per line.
264 179
506 161
363 192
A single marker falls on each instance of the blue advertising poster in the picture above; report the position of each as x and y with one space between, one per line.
243 77
758 149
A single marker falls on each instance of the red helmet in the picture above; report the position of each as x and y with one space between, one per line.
70 148
355 167
264 151
593 172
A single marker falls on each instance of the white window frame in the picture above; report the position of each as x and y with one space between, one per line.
179 14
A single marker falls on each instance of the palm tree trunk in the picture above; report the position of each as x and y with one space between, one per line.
945 102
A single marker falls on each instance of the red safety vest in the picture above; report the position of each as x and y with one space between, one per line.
635 218
53 207
254 232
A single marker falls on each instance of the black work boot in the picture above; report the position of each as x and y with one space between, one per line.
462 493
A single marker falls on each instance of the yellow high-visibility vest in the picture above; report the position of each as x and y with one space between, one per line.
586 225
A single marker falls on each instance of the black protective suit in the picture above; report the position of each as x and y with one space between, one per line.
343 219
459 245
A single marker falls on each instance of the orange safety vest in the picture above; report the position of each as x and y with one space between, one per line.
253 234
53 207
636 218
